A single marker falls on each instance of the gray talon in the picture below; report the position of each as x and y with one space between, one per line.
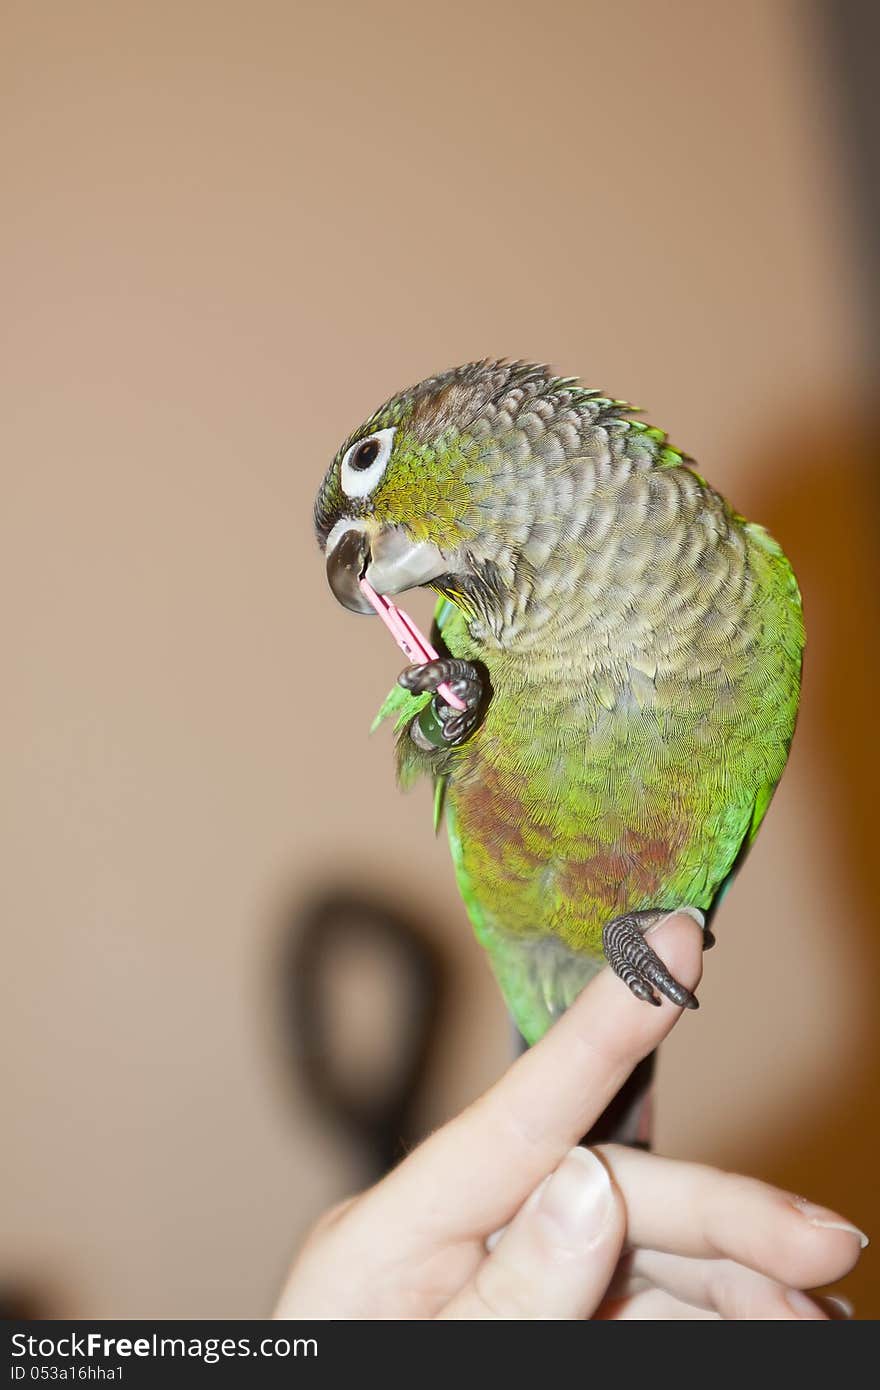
637 964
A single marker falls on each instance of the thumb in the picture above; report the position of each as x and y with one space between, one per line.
558 1255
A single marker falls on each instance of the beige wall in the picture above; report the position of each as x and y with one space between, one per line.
229 230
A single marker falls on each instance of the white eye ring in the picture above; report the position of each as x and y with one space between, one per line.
359 480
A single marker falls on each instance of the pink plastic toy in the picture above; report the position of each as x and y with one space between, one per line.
407 636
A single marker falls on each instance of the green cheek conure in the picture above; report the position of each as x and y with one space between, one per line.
627 648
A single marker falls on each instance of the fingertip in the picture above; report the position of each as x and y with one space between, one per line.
794 1241
827 1246
823 1219
610 1018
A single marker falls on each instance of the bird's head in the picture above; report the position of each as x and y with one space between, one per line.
453 483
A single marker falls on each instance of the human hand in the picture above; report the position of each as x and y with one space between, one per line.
571 1232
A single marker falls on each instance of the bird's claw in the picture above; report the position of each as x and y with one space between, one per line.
440 725
637 964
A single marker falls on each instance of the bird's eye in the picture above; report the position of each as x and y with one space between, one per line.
364 464
365 454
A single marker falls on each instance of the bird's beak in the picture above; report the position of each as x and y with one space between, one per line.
389 558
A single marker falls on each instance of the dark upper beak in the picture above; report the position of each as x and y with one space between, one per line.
346 564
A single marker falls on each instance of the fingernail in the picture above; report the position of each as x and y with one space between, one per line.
827 1220
843 1305
578 1199
803 1306
693 912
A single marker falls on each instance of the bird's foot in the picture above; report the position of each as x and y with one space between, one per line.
634 961
440 725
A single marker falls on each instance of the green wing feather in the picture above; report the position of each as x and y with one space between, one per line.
402 704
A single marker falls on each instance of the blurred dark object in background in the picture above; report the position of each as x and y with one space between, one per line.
362 992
